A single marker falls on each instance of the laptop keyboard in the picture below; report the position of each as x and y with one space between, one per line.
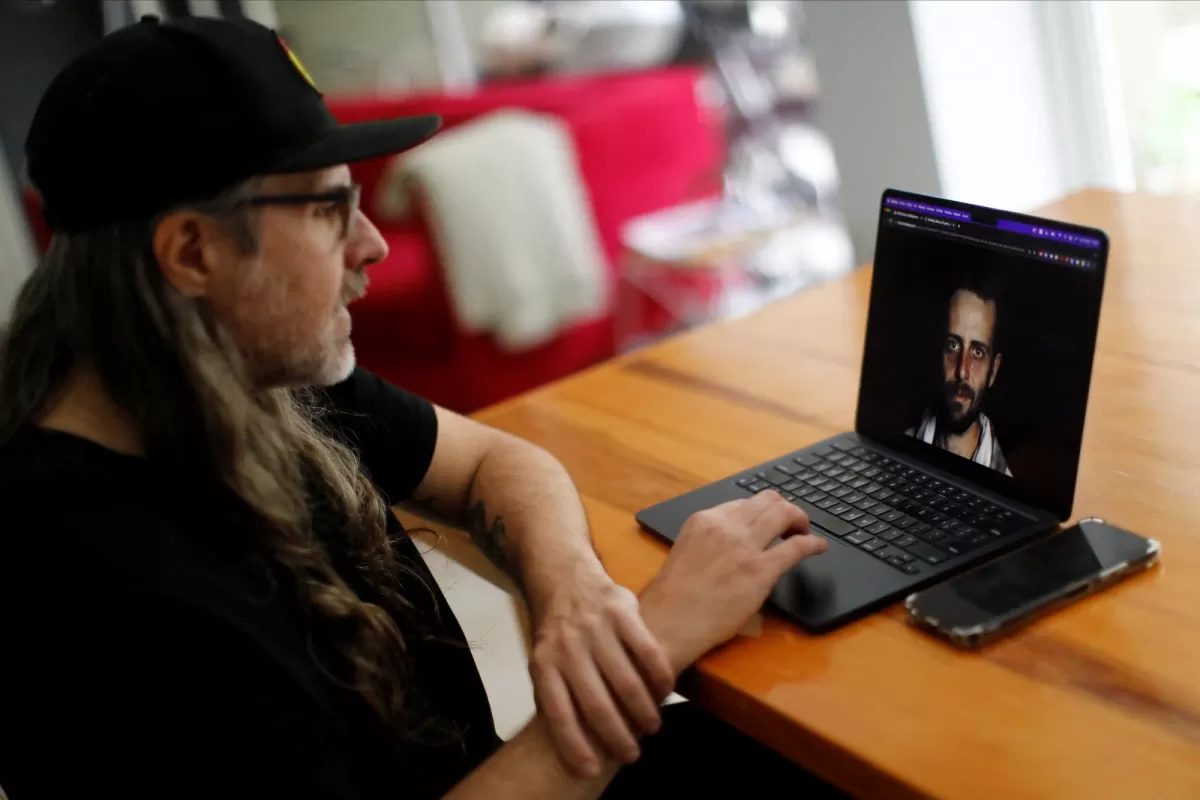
902 516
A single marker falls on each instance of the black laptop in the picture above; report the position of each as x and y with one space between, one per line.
978 358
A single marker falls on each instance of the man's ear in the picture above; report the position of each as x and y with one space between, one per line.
995 369
188 247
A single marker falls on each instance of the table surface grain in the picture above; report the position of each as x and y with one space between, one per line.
1099 700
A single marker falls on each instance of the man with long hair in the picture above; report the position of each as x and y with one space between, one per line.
205 592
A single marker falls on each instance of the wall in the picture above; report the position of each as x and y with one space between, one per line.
872 106
365 46
989 98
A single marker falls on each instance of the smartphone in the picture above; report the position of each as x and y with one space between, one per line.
980 605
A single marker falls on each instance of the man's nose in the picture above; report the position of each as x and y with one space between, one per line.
958 367
368 245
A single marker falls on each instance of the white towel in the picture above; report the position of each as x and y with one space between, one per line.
512 224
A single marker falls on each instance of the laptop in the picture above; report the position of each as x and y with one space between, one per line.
981 334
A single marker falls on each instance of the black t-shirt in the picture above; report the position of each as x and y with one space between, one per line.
146 650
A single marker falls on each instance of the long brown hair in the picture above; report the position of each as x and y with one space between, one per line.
98 299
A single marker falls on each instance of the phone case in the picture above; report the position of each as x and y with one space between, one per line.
975 636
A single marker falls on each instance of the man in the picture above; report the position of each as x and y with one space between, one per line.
970 362
205 593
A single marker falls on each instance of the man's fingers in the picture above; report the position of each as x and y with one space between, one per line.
596 705
651 656
778 518
626 683
554 701
793 549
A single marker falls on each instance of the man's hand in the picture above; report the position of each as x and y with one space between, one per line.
598 672
720 571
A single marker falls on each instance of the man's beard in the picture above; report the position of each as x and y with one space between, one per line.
952 422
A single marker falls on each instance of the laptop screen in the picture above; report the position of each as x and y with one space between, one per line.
979 344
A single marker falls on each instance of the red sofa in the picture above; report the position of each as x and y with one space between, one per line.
643 143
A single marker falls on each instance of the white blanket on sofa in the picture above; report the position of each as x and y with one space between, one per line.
512 224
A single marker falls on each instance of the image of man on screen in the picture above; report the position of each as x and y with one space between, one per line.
970 363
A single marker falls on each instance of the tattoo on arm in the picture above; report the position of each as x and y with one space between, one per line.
492 539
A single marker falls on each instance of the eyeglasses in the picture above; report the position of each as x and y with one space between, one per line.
342 202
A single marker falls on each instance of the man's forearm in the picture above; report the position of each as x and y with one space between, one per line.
526 515
528 767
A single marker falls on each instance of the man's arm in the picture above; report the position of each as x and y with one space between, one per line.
592 651
515 500
719 572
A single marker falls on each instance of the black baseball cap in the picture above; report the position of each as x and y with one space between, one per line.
163 113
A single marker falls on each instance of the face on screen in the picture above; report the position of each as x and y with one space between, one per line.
969 360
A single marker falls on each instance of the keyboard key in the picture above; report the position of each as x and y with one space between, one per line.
855 497
867 503
758 486
870 487
827 484
859 451
788 468
837 457
872 472
807 460
843 444
937 519
929 553
882 494
904 523
804 491
835 472
815 478
857 483
891 534
816 496
935 485
778 478
872 545
892 516
826 503
787 496
911 569
956 547
824 466
744 482
882 553
858 537
941 505
865 521
839 508
961 497
827 522
921 478
840 492
906 540
896 561
850 515
878 528
979 539
791 486
949 525
861 466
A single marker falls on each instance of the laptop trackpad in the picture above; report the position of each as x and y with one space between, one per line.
823 587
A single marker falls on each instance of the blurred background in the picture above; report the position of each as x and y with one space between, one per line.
652 164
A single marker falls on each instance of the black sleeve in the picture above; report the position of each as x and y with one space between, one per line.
393 431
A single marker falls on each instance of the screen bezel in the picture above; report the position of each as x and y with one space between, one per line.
1112 546
1061 504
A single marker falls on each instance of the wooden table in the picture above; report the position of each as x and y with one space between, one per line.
1099 700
